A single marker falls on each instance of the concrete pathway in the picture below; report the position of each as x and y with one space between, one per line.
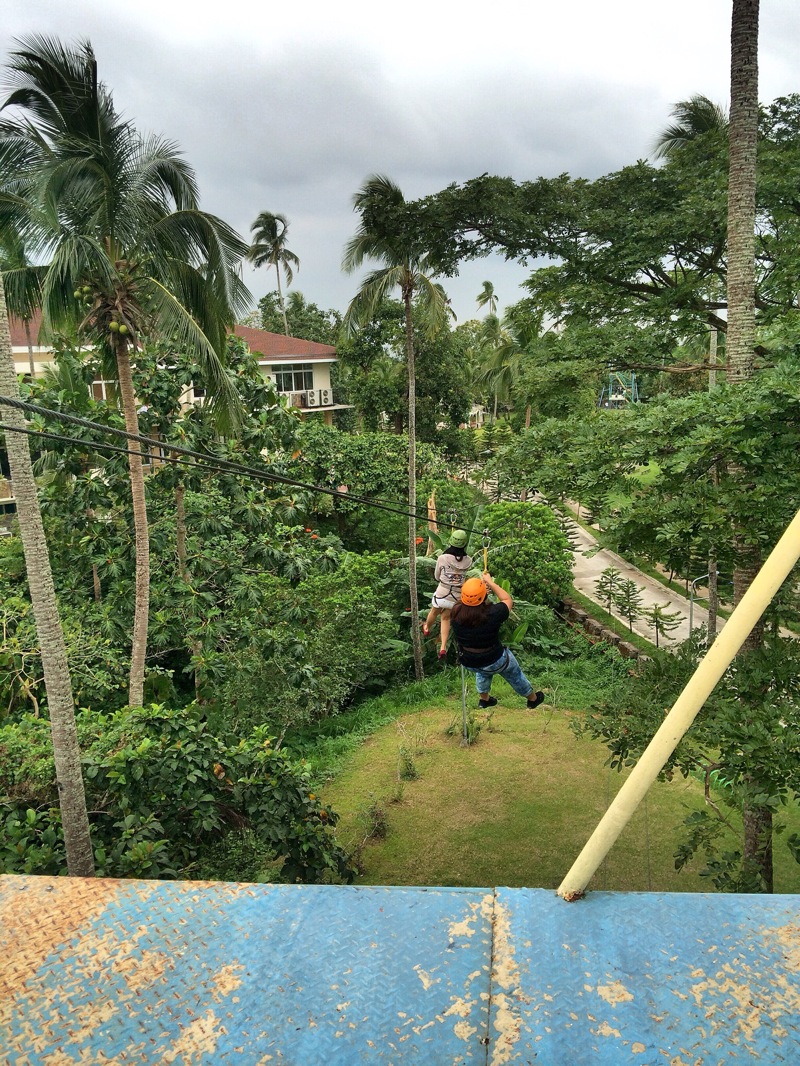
588 568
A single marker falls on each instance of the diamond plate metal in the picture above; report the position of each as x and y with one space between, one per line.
188 972
100 971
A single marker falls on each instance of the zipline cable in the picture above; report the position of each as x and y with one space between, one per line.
210 462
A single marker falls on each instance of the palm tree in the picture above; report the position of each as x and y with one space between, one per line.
498 362
269 249
406 268
487 298
696 117
60 701
129 253
693 118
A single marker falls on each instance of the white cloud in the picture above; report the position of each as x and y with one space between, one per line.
289 108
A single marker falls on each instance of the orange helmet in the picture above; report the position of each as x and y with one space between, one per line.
473 592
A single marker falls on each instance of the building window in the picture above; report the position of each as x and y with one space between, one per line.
293 377
103 390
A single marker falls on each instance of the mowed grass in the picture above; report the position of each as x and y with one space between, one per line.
512 809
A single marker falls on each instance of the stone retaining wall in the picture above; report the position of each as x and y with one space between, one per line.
580 617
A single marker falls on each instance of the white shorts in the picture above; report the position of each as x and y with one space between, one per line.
444 603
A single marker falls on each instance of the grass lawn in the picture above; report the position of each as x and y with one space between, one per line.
513 809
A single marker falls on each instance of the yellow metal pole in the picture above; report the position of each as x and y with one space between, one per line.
709 671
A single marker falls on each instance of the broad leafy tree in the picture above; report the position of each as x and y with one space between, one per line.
130 255
659 285
304 319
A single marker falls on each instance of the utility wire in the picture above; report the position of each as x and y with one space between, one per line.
210 462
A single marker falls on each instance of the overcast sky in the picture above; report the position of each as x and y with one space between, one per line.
289 109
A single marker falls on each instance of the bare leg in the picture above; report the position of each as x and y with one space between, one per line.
445 628
433 614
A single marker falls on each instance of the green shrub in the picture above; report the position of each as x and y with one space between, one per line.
163 790
97 665
529 554
330 636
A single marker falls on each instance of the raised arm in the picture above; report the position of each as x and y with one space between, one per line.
501 594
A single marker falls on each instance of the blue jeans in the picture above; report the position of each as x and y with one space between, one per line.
508 668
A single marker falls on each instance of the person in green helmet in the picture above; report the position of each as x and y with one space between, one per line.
451 569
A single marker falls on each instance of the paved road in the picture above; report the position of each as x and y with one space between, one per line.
588 569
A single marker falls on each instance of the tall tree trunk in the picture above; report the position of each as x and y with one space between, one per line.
713 591
743 138
60 701
281 300
183 569
96 586
523 496
758 842
30 348
141 532
416 636
741 335
180 529
713 597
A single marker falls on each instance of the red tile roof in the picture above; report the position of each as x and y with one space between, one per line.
19 338
273 346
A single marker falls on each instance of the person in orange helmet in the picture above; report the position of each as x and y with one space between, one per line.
476 626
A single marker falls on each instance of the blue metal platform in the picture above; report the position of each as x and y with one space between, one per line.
101 971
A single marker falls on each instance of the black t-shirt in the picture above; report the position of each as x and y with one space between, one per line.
482 640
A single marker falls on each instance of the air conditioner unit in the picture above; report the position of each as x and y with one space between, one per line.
326 397
312 398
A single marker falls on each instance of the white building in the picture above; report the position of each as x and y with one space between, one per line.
300 369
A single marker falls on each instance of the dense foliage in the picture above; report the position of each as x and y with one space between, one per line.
163 789
530 554
305 320
743 759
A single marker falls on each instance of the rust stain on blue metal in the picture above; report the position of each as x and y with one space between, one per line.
98 971
674 979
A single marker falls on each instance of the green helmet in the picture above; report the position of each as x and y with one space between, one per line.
459 538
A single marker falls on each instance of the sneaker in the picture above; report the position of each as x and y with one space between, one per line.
535 700
491 702
425 631
442 653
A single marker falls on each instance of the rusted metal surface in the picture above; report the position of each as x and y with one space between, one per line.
98 971
95 971
653 979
